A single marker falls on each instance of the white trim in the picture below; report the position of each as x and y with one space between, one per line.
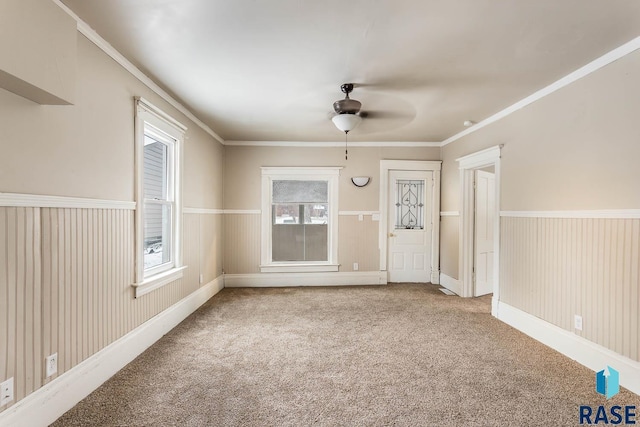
356 213
174 132
41 201
410 165
269 280
331 175
158 280
581 72
450 213
147 106
468 165
480 158
605 213
334 143
243 211
298 268
301 170
583 351
450 283
95 38
206 211
48 403
202 211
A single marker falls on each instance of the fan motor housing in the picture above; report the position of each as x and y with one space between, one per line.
347 106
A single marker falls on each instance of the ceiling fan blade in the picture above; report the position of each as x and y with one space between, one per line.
394 84
377 114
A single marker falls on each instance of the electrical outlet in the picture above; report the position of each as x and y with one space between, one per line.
577 322
52 364
355 266
201 278
360 217
6 392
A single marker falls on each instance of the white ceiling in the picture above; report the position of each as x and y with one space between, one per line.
270 70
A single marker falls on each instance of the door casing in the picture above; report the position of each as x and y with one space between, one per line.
467 166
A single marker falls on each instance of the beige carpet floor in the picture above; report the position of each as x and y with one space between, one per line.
403 355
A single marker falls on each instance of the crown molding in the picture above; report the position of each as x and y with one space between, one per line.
333 143
106 47
581 72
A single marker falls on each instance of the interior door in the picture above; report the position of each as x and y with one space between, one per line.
409 226
483 238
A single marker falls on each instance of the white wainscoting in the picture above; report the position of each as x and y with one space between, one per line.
583 351
49 402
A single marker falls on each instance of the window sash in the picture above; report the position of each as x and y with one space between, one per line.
151 122
330 175
167 197
166 241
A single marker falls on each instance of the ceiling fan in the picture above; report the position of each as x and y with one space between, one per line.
347 110
348 115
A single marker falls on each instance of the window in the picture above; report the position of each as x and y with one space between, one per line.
299 217
158 210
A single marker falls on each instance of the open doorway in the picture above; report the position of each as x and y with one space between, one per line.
480 241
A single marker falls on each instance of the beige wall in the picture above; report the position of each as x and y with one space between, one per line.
37 51
449 245
576 149
242 170
66 273
86 149
357 240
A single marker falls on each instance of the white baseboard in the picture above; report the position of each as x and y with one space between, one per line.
583 351
268 280
435 277
48 403
450 283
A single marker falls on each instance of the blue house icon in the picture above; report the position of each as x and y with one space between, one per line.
608 382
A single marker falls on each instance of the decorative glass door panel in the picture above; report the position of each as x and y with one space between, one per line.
409 204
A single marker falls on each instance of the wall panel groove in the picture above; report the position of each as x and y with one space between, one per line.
20 291
554 268
241 243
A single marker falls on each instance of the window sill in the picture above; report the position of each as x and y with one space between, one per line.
159 280
298 268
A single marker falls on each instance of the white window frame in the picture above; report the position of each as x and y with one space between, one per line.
154 278
270 174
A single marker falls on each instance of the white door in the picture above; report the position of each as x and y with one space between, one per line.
484 217
409 226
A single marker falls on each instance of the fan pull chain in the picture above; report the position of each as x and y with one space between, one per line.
346 153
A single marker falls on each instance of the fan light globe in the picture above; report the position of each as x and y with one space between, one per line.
346 122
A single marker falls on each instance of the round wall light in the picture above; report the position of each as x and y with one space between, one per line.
360 181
